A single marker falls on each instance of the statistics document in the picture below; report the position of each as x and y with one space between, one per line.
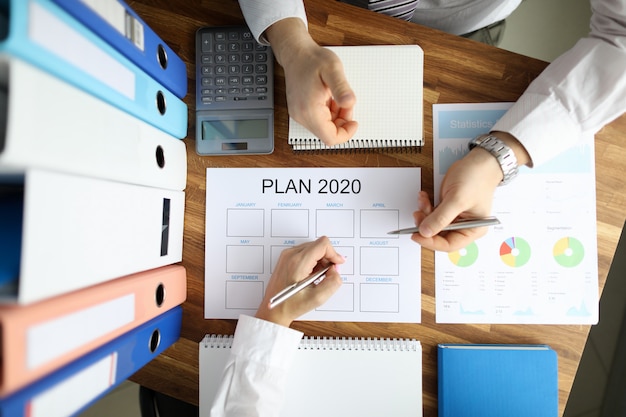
539 266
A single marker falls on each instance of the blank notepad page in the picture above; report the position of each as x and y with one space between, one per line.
334 377
388 83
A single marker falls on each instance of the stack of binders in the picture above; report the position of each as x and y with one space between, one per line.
92 179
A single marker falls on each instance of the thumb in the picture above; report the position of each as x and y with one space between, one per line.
330 284
440 217
335 80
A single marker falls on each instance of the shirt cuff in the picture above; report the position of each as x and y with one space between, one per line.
261 14
265 342
541 125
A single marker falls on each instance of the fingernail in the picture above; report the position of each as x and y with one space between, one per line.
421 204
425 231
346 98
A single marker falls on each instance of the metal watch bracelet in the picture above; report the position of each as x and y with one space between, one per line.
502 152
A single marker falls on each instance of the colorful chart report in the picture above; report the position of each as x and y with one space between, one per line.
253 214
540 264
515 252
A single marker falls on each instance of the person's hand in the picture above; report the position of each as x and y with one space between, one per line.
319 96
467 191
295 264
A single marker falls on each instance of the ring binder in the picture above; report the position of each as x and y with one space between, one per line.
74 387
80 134
122 28
114 225
47 37
117 306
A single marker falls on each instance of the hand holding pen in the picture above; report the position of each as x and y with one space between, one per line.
289 291
462 196
295 265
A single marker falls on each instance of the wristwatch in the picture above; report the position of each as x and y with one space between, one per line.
505 155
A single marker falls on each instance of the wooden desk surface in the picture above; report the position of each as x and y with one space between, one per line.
456 70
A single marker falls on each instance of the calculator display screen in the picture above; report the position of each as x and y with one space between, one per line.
235 129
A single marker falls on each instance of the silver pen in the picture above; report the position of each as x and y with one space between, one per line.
459 224
296 287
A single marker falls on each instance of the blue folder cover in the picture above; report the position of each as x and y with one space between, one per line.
497 380
138 42
43 34
73 388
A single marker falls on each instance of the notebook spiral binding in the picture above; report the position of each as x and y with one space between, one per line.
329 343
356 146
218 341
350 343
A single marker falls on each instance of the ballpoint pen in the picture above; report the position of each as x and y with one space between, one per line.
296 287
459 224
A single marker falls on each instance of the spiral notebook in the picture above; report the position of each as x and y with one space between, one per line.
388 83
334 377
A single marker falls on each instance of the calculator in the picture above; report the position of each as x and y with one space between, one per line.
234 92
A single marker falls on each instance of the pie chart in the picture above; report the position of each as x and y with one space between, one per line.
515 252
466 256
568 252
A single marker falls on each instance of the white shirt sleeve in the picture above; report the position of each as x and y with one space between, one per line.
578 93
462 16
255 376
261 14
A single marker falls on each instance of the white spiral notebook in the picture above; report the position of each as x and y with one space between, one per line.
334 377
388 83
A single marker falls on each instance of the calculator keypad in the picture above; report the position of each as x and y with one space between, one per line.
235 71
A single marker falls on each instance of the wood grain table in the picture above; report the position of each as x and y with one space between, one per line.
456 70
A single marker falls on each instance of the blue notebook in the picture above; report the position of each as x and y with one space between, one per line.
497 380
